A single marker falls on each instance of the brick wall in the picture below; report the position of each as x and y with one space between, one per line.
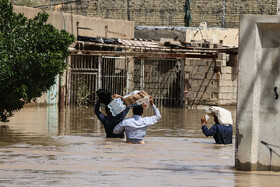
168 12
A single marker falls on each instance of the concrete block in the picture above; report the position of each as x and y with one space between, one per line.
199 62
197 88
194 62
225 102
214 83
215 96
198 76
226 70
222 56
212 89
203 69
226 90
234 97
225 96
206 96
210 63
191 69
226 77
220 63
210 75
193 82
225 83
235 83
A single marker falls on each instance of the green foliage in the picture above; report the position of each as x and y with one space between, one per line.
83 92
32 53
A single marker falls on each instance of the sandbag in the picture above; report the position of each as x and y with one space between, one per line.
223 115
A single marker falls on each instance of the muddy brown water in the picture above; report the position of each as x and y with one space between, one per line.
40 147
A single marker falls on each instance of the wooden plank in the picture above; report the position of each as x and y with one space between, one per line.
143 54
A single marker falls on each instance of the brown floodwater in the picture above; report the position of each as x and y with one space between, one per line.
40 147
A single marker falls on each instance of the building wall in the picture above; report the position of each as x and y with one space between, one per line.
229 37
203 86
258 106
217 13
69 23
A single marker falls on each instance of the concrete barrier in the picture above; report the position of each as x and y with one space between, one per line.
258 105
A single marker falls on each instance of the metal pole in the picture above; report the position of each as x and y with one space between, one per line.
278 4
127 75
68 86
224 14
72 20
77 25
182 82
51 6
128 11
61 91
142 75
99 72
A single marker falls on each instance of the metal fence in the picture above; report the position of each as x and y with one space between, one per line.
83 79
114 74
161 78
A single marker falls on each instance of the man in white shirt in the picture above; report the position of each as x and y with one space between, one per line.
135 127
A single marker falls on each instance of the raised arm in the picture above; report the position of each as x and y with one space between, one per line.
123 114
97 112
209 132
152 119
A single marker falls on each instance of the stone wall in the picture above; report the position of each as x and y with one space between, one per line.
216 13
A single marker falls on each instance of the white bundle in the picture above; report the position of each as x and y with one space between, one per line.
223 115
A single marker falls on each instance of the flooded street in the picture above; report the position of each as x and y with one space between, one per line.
41 148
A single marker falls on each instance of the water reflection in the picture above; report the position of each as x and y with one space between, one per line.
40 147
175 122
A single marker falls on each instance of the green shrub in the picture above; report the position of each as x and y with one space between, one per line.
32 53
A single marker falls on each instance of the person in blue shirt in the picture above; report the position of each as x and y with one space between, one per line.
135 127
109 121
221 133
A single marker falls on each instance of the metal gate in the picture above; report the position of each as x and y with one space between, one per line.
113 74
82 77
161 78
89 73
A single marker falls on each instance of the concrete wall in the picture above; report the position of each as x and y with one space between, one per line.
258 106
64 21
156 33
229 36
68 22
217 13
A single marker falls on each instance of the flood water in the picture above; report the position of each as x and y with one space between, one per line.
38 147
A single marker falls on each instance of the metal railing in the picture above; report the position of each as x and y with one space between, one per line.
162 78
